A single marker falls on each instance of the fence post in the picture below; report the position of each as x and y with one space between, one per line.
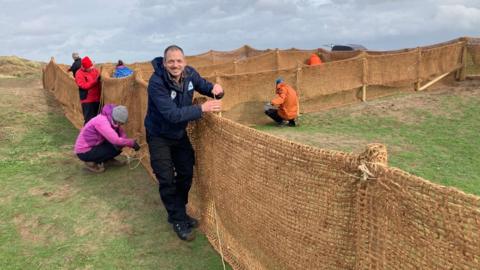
364 78
462 72
212 56
419 61
277 59
297 84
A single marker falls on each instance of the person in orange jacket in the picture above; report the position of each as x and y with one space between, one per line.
314 60
284 107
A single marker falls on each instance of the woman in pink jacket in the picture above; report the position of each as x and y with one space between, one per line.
103 138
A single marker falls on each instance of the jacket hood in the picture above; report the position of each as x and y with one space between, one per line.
280 85
107 111
158 67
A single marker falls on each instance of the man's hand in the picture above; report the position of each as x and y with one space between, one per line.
212 106
217 91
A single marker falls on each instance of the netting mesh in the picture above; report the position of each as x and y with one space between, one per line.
283 205
383 69
438 60
410 223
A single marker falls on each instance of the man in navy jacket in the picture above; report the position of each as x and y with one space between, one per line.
170 108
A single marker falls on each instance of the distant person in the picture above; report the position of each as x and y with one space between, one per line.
314 60
77 64
121 70
88 81
170 108
284 107
103 138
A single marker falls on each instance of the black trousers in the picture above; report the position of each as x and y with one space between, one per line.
100 153
172 162
273 113
89 110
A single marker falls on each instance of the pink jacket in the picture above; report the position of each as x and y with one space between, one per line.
99 129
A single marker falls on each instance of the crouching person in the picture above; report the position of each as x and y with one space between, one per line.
103 138
284 107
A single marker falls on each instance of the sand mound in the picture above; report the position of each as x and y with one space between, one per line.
16 67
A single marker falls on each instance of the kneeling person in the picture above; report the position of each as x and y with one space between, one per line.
103 138
287 102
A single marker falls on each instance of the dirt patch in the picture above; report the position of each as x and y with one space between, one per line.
60 194
115 223
28 96
112 223
35 230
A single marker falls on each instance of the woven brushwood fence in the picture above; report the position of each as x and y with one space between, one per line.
300 207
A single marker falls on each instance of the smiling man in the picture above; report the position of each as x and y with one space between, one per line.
170 108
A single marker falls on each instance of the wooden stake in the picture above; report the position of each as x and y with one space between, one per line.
364 76
433 81
463 70
364 93
419 61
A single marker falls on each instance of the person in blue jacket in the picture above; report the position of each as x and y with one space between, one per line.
170 108
121 70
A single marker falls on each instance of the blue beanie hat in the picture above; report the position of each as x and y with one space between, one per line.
279 80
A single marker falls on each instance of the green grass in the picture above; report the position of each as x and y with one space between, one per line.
56 215
439 142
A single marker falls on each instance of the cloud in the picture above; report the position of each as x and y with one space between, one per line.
139 30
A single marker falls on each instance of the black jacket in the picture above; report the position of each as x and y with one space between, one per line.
169 106
77 64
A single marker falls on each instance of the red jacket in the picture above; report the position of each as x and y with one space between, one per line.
287 101
89 81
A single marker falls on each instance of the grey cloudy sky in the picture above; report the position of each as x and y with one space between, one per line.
139 30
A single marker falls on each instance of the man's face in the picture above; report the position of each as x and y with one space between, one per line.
175 63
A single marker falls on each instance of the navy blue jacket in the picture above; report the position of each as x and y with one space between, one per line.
77 64
169 106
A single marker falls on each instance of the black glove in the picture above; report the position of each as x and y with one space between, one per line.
136 147
219 96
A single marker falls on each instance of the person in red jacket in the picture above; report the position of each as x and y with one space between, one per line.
284 107
88 81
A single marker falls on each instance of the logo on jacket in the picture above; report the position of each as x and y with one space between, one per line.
190 86
173 95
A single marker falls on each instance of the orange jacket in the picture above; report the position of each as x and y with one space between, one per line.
314 60
286 100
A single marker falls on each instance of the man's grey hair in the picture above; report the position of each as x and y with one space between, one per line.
75 55
171 48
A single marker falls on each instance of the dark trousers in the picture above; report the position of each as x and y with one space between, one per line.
89 110
273 113
172 162
100 153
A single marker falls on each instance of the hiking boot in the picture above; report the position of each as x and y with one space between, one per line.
115 162
192 222
94 167
183 231
291 123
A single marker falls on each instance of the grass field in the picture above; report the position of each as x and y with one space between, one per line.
56 215
432 134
